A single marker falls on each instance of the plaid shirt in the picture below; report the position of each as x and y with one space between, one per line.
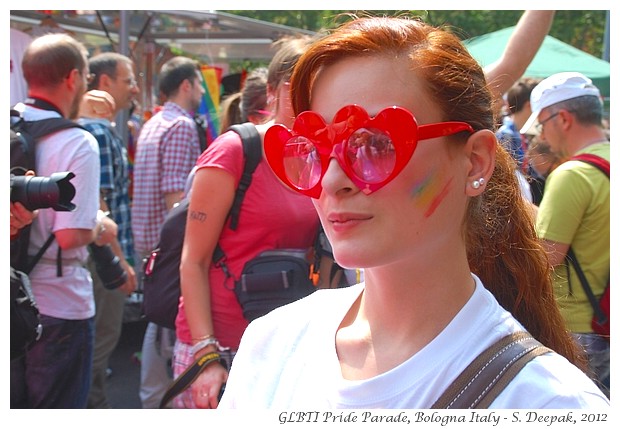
114 179
167 149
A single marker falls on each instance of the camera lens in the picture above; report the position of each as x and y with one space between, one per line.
55 192
108 266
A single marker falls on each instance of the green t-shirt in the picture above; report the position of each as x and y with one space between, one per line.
575 210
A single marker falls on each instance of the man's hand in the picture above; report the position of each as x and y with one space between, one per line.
129 286
20 217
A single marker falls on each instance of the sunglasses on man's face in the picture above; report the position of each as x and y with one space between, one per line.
371 151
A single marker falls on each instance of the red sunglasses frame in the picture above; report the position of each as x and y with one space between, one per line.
398 123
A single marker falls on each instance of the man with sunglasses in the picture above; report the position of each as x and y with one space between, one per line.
56 370
567 114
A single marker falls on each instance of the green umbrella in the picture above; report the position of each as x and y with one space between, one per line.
554 56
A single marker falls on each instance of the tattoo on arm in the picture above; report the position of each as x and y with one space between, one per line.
199 216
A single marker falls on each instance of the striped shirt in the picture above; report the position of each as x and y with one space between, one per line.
167 149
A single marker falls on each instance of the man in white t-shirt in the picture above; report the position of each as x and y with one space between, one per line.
55 371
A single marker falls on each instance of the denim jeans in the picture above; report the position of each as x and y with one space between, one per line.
56 371
597 349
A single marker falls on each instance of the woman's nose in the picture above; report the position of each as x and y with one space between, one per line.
335 180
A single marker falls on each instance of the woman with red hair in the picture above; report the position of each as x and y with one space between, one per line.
450 257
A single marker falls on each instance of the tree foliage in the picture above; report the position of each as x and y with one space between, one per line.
583 29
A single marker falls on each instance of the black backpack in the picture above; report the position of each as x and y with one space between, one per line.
25 322
161 282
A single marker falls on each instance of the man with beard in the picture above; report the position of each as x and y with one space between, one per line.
167 149
56 370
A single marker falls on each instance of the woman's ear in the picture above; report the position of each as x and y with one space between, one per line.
481 148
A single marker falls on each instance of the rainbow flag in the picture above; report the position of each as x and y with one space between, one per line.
210 106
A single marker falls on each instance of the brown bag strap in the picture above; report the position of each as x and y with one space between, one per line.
487 375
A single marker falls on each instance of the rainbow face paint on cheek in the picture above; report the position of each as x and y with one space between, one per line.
429 192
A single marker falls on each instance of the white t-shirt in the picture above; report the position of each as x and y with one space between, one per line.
75 150
287 360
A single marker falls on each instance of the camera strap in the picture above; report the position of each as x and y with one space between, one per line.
42 104
32 262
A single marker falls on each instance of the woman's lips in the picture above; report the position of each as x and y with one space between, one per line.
345 221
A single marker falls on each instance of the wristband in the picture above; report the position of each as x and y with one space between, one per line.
100 226
204 343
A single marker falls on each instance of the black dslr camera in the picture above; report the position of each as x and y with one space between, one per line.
54 192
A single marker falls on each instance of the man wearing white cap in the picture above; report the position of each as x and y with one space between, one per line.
567 114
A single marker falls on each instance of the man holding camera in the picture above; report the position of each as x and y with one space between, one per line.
113 77
56 370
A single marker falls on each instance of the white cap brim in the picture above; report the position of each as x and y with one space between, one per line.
529 127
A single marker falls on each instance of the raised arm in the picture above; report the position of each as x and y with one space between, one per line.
520 50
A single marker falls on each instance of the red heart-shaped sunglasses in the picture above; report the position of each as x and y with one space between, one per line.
371 151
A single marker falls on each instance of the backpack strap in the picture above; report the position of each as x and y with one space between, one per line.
43 127
252 154
36 130
487 375
202 132
16 117
594 160
572 259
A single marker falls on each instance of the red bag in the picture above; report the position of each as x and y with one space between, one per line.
601 326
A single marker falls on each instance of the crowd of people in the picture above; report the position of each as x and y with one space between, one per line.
381 128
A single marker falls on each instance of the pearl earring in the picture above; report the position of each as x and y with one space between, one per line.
477 183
